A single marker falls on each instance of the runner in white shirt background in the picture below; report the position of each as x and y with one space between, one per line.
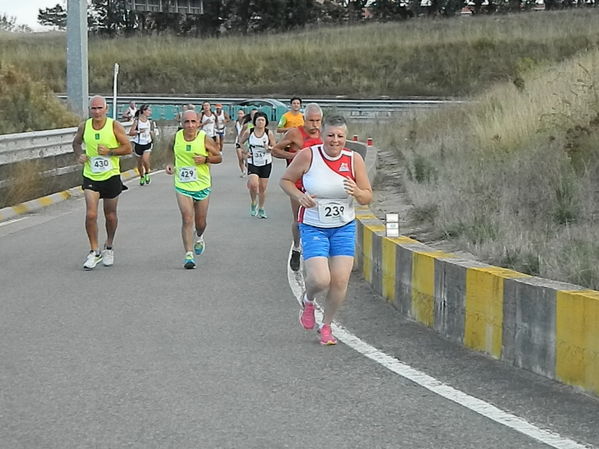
222 118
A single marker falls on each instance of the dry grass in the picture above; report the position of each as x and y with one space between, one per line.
513 176
448 57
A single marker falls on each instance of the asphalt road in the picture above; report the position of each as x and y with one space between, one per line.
145 354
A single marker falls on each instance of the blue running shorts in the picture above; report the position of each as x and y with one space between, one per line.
328 242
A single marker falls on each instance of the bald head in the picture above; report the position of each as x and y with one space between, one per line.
97 100
98 108
190 120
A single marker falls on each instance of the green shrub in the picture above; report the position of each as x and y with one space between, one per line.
27 105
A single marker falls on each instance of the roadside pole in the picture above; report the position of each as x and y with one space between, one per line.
114 89
77 72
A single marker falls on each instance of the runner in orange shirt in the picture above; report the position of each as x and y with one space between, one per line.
292 118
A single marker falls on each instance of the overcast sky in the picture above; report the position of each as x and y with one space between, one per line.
26 10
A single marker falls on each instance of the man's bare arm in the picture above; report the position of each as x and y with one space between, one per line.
77 142
214 154
291 138
121 137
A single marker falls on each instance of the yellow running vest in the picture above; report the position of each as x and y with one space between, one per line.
100 168
188 175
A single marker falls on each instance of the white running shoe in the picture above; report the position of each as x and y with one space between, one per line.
92 260
108 257
199 246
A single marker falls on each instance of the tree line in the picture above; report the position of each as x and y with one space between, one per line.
115 17
9 23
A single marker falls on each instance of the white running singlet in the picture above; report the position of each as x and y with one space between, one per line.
324 179
208 124
259 153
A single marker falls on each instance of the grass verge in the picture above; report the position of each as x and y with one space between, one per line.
449 57
513 176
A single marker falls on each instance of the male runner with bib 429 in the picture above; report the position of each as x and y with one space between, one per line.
105 140
193 152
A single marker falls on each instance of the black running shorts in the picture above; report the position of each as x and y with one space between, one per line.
108 189
262 171
141 148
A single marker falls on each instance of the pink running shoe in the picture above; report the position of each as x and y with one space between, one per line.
326 335
306 317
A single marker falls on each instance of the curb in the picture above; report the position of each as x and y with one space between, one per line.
532 323
11 212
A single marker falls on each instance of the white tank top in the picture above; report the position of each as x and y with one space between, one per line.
324 179
259 153
208 124
238 128
144 137
220 121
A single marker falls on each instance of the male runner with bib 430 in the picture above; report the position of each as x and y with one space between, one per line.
105 140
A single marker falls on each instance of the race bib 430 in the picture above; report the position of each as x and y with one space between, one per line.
100 164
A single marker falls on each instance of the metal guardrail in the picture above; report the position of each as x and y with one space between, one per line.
51 146
166 107
33 145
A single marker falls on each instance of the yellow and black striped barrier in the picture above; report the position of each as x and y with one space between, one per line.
550 328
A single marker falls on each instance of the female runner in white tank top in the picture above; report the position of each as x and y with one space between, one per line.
222 118
259 162
333 177
143 132
239 130
208 120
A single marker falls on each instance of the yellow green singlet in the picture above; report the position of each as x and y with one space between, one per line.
100 168
188 175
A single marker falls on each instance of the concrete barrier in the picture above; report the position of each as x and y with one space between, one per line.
49 156
544 326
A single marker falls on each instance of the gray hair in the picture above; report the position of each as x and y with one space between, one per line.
312 107
334 120
100 97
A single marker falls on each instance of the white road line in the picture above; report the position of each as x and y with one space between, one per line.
14 220
296 282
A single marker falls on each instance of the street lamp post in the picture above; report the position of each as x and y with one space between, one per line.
77 79
114 89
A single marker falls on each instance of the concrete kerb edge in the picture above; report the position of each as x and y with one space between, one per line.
519 349
11 212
